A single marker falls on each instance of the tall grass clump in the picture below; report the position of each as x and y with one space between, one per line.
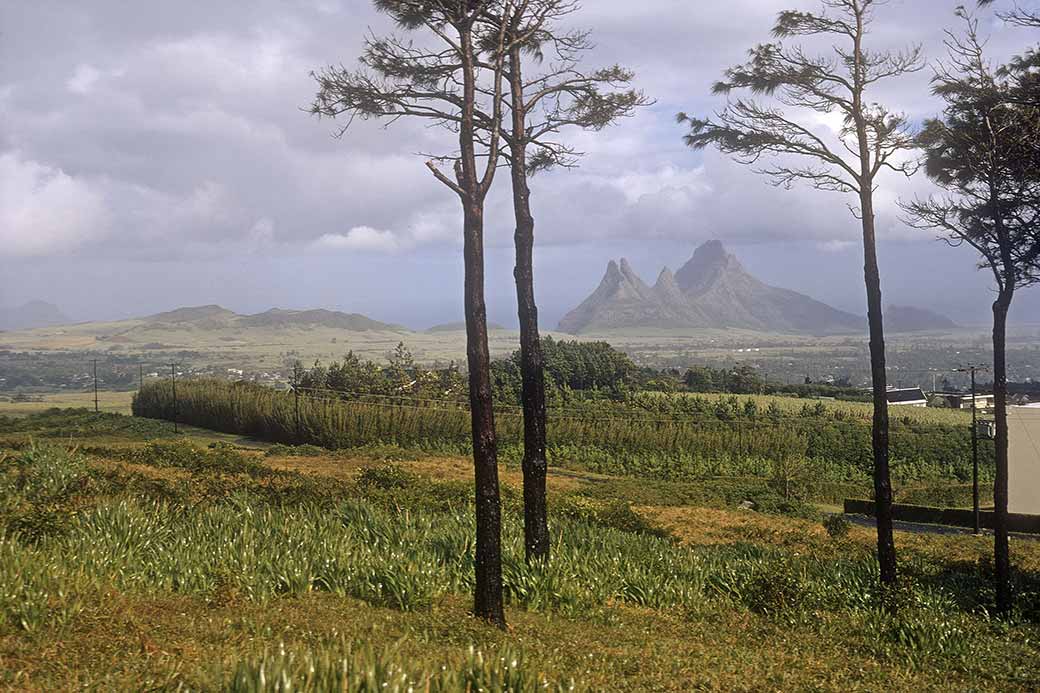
363 670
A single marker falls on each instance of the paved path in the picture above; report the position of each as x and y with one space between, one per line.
922 528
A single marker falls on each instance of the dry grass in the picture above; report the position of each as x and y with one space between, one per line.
115 402
435 468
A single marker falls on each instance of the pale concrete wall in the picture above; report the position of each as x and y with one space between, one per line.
1024 460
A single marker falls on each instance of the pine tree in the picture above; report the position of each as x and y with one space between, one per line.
870 141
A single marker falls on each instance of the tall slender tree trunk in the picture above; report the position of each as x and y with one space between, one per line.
879 377
536 525
487 597
488 593
886 546
1001 552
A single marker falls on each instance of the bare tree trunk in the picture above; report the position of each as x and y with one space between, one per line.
1001 552
536 526
487 597
488 592
879 431
886 546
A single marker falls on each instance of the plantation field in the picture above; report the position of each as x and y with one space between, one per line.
137 559
815 450
860 410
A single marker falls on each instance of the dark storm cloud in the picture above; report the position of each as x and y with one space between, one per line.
139 131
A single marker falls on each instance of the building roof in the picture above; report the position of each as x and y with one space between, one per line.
906 395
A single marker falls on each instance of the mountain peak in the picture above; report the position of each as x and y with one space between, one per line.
710 251
709 262
31 315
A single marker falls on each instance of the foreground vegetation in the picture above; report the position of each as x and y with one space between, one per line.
300 569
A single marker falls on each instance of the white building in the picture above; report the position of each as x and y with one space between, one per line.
1024 459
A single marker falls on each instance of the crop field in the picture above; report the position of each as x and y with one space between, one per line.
810 447
134 558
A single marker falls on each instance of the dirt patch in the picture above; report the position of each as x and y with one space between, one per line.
435 468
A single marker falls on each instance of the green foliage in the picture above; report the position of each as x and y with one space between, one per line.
837 525
385 478
648 435
773 589
613 513
218 458
407 547
82 423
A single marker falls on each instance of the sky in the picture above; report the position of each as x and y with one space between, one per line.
155 155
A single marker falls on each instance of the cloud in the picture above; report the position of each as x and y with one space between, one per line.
176 131
83 79
362 238
43 210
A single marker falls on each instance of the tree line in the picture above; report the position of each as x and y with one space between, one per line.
506 78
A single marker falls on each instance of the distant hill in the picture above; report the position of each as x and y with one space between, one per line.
32 315
354 322
910 319
216 317
200 316
459 327
712 290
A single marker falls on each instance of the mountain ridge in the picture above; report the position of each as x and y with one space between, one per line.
215 317
903 319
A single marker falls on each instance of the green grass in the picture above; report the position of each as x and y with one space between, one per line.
190 564
171 564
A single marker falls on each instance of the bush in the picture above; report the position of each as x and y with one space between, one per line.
614 514
774 588
837 525
386 478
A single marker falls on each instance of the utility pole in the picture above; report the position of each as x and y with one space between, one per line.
973 369
173 378
97 408
296 393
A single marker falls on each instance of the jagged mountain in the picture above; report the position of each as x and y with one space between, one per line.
911 319
712 290
32 315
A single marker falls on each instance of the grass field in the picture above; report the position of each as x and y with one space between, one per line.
862 410
111 402
144 560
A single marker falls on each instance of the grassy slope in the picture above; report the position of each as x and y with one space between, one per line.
127 637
